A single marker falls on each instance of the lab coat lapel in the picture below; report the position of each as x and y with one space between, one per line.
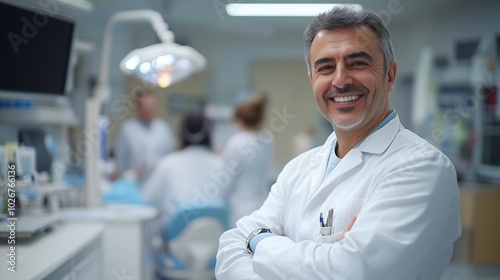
318 163
375 143
349 162
353 159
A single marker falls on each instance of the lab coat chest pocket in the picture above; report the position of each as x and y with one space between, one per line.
344 212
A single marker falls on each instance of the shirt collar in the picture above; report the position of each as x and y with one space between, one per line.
387 119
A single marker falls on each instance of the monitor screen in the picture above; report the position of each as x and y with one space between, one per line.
35 49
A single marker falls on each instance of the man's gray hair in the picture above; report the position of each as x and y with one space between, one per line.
347 17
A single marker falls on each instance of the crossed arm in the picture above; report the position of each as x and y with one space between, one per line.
403 229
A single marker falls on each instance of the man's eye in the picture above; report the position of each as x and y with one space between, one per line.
359 63
325 68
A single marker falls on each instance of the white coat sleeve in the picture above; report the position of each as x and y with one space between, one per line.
232 157
410 219
233 260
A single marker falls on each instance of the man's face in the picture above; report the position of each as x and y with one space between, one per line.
146 108
348 78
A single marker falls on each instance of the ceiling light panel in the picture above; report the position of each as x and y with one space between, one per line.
281 9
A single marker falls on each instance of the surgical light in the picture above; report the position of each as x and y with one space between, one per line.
163 64
132 63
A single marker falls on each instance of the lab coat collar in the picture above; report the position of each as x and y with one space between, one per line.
375 143
378 141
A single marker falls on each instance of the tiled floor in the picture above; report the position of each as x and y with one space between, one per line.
461 271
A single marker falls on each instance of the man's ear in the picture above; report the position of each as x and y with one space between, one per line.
391 75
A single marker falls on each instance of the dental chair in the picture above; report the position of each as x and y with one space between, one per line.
192 239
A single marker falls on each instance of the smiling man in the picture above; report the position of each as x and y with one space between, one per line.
375 201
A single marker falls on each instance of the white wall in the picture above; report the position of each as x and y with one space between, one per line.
229 59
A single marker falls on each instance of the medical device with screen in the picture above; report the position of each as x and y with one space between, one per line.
35 48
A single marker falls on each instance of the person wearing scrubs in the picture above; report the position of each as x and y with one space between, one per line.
376 201
252 155
185 177
143 140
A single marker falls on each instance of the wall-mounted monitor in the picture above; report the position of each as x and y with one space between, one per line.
35 51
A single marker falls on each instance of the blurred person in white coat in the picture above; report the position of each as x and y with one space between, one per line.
375 202
143 140
250 150
186 176
304 140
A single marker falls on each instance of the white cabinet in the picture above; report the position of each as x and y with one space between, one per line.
127 239
84 266
63 272
71 251
90 266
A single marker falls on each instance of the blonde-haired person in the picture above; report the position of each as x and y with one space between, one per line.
249 152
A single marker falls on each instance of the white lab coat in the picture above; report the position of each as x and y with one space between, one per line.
140 147
249 184
188 176
402 190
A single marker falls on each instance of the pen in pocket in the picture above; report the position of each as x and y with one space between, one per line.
326 229
329 219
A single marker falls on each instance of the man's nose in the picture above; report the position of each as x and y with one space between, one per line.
341 77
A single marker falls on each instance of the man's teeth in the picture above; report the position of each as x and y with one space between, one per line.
346 98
